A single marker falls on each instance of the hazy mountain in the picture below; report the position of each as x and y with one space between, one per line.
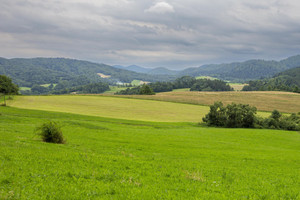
162 70
134 68
251 69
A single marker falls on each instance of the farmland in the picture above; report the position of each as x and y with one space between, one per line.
116 107
108 158
113 107
264 101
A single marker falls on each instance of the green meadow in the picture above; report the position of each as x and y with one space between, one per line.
116 107
140 155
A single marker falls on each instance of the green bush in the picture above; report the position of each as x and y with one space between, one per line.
244 116
231 116
51 132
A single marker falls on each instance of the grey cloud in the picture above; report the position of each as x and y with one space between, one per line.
160 33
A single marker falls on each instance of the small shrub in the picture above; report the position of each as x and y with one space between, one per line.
51 132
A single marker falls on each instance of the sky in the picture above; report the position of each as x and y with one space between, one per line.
152 33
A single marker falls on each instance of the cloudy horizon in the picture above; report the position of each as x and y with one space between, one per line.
166 33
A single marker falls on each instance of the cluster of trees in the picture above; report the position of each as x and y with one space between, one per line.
244 116
183 82
140 90
7 87
210 85
285 81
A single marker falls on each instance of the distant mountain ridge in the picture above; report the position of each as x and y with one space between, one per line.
153 71
236 71
248 70
27 72
134 68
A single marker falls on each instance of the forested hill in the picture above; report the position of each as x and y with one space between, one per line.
240 71
288 80
27 72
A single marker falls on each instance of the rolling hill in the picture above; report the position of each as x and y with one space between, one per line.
288 80
27 72
38 71
236 71
241 71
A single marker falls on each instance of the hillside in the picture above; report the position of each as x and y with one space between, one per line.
241 71
162 70
27 72
134 68
236 71
155 71
288 80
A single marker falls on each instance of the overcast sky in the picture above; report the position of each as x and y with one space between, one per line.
164 33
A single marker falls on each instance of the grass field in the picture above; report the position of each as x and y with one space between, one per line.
114 107
136 82
114 89
118 159
237 86
206 77
24 88
47 85
264 101
181 90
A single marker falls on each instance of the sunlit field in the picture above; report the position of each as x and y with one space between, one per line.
264 101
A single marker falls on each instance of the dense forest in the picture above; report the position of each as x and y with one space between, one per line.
285 81
183 82
28 72
92 88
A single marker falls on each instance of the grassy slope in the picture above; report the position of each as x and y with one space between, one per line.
264 101
113 107
118 159
114 89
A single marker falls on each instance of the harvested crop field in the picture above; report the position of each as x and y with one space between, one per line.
264 101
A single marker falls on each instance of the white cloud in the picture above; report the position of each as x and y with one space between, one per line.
161 8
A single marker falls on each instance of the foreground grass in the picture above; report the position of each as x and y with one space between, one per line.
119 159
286 102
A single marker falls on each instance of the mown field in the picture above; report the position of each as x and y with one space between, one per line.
119 159
264 101
115 107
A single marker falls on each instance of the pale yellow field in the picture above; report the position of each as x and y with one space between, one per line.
264 101
113 107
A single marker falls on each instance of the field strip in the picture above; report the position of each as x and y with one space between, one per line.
112 107
285 102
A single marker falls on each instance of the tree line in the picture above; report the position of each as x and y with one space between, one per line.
182 82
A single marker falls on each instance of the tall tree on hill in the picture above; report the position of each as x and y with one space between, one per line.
7 86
